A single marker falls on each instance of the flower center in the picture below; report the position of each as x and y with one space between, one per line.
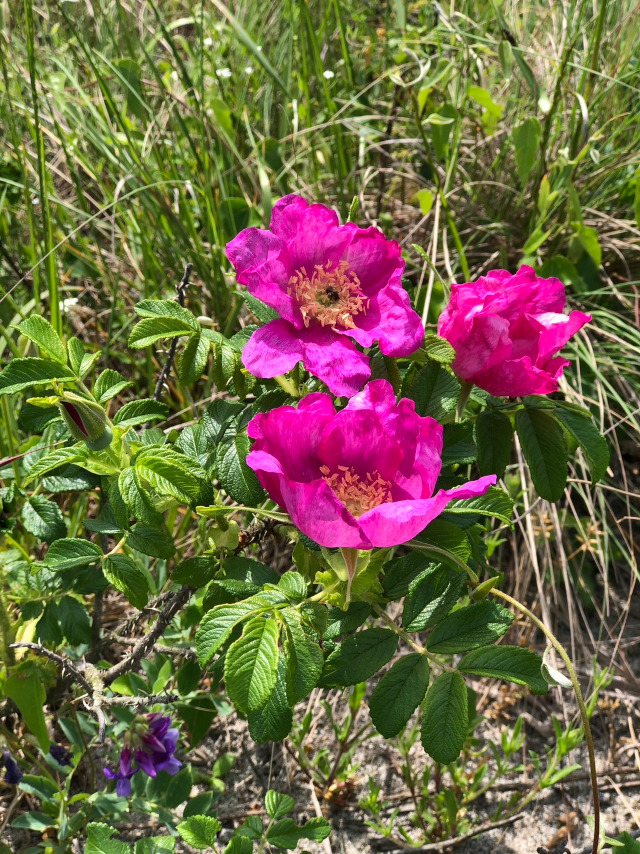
330 295
357 494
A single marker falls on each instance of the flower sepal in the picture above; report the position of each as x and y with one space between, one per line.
352 578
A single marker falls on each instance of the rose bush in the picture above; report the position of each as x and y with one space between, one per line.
329 283
359 478
506 330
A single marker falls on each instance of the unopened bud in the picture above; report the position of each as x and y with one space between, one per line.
86 421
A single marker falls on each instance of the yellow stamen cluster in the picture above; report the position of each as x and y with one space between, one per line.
358 495
330 295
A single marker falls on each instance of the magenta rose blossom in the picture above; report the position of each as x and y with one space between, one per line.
506 330
330 283
359 478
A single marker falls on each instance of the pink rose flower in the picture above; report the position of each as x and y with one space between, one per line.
359 478
506 330
329 283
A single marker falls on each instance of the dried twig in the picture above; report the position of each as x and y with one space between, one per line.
181 288
448 843
65 664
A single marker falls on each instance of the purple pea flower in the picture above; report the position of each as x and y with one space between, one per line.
157 746
124 775
13 774
60 754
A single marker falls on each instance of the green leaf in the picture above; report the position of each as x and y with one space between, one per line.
195 571
493 433
470 627
494 503
431 596
512 663
398 694
153 329
293 585
198 715
21 374
545 450
434 389
42 333
100 842
68 553
445 718
274 720
129 579
448 536
263 312
167 308
193 359
200 831
344 622
239 845
108 384
629 844
278 804
586 434
286 834
167 474
401 572
251 664
458 446
150 541
218 623
138 500
234 474
141 411
526 141
43 519
359 657
55 459
74 621
155 845
76 351
26 689
304 659
438 349
424 198
42 787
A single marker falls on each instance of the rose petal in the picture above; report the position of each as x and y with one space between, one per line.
375 260
390 320
316 510
273 349
358 440
311 233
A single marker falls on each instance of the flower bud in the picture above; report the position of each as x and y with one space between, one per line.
86 420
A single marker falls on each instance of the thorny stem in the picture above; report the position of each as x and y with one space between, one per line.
166 370
581 705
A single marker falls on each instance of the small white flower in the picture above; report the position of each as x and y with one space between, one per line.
248 69
328 74
224 72
67 303
174 76
208 41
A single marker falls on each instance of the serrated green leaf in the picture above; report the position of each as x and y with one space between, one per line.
166 308
545 450
57 458
399 693
344 622
494 503
150 541
140 412
526 140
195 571
193 359
153 329
448 536
167 474
277 804
100 842
274 720
26 689
458 446
74 620
200 831
239 845
21 374
438 349
294 585
587 435
401 572
218 623
137 499
155 845
431 596
467 628
234 474
108 385
358 657
42 333
512 663
434 389
129 579
445 718
251 664
493 433
43 519
88 362
304 659
286 834
263 312
76 350
68 553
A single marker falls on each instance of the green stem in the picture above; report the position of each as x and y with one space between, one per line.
393 373
465 392
288 385
448 556
581 706
406 637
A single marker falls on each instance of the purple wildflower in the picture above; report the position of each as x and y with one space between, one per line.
13 774
124 775
157 746
60 754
